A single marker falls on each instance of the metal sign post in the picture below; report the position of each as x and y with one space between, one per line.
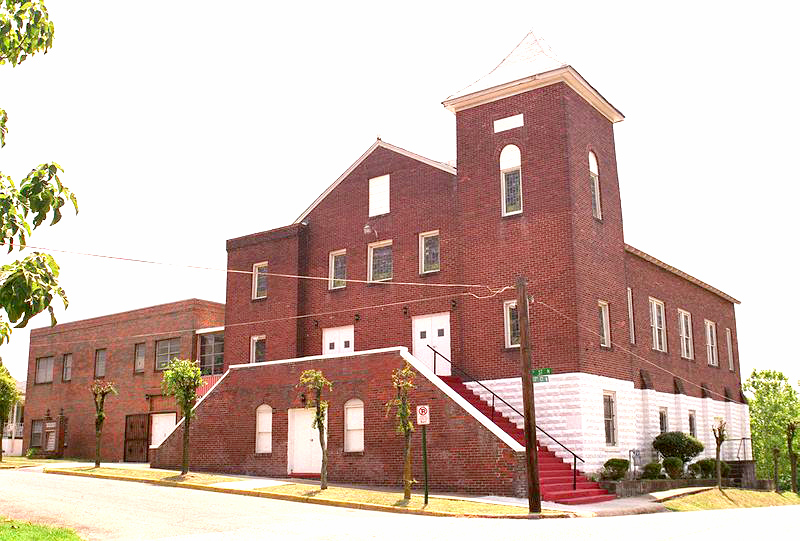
424 419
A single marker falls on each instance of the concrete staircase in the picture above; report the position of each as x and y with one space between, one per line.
555 475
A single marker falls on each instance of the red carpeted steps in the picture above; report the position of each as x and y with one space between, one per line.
555 475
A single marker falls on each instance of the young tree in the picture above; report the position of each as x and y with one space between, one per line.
100 390
774 403
9 395
776 455
791 430
314 382
28 285
181 380
403 382
719 437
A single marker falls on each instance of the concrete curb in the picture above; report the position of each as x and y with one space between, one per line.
300 499
681 495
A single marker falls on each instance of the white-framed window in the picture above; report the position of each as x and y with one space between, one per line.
100 363
511 180
658 325
258 348
379 261
429 258
687 341
631 326
610 417
212 352
379 195
511 324
263 429
711 343
166 350
138 357
37 428
729 344
693 423
66 367
594 185
44 370
508 123
605 325
663 420
337 269
260 280
353 426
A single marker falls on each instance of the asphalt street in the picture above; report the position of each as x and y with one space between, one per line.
108 510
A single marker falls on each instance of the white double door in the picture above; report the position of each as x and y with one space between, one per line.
338 340
432 330
305 454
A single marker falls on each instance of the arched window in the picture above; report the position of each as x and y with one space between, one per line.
353 426
594 186
263 429
511 179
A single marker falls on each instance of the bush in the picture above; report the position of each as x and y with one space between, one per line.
708 468
31 452
615 469
678 444
695 470
652 471
674 467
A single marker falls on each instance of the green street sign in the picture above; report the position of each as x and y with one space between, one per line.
541 379
541 372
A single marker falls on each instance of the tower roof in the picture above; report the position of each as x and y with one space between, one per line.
531 64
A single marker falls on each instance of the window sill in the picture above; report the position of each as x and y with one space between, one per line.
426 273
687 358
598 220
606 348
353 453
263 455
138 372
257 299
511 214
379 282
66 381
340 288
43 382
509 349
654 350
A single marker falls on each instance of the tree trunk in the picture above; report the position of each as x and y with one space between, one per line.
98 431
790 431
719 465
185 462
2 429
323 474
775 456
407 477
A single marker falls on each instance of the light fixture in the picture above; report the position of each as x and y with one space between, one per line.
368 230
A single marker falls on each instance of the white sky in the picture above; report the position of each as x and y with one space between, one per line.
191 122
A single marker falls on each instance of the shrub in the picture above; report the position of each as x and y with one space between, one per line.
708 468
695 470
678 444
32 452
674 467
652 471
615 469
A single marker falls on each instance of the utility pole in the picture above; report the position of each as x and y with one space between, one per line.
529 408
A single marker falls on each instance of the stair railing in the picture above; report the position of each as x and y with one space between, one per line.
575 458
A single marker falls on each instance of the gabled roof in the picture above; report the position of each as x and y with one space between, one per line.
532 64
658 263
377 144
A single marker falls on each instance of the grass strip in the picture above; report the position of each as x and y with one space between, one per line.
14 530
731 498
148 474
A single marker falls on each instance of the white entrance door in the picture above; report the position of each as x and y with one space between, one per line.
161 424
338 340
434 331
305 454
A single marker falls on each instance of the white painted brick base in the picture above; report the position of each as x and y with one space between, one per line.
570 408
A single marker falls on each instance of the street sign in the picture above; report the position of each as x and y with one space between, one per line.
541 379
423 415
541 372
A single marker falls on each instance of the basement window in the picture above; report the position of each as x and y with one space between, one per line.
692 423
37 428
663 420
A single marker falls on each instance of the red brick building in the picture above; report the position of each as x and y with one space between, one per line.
130 349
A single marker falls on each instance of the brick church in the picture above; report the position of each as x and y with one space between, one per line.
412 259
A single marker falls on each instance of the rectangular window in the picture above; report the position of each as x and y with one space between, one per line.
100 363
692 423
354 426
66 369
663 420
511 318
379 261
594 186
685 326
429 252
212 348
36 433
610 417
508 123
657 325
379 195
138 357
263 429
711 343
166 350
258 349
631 329
512 192
605 326
337 269
44 370
729 344
260 280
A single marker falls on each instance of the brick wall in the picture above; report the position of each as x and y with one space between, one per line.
463 455
117 333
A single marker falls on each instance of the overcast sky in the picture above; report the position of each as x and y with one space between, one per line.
181 124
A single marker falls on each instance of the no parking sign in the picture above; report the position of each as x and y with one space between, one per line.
423 415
